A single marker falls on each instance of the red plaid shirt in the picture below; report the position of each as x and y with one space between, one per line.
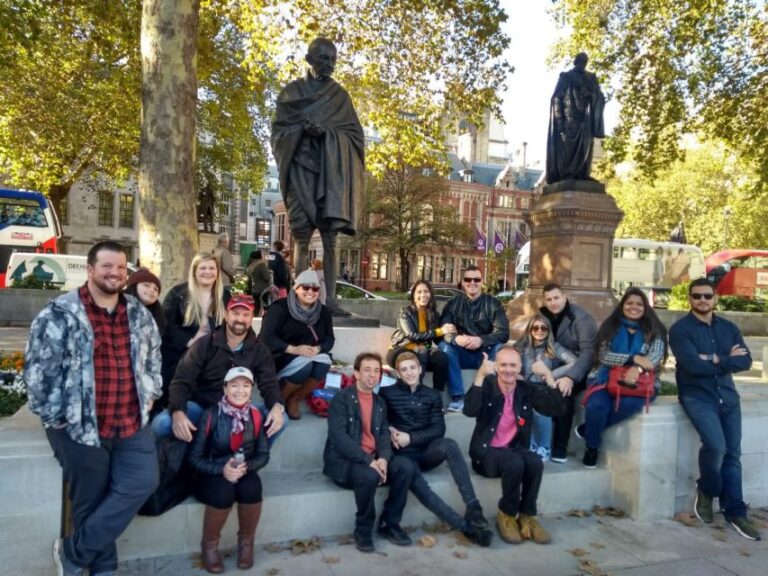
117 402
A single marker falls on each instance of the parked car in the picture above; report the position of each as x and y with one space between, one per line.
353 292
443 293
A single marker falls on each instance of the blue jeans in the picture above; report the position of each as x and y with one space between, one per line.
315 370
459 358
107 484
601 413
163 422
719 427
541 432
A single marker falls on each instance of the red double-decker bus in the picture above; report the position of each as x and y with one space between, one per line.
739 272
28 223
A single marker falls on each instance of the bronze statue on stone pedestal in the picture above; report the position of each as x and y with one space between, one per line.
319 147
576 119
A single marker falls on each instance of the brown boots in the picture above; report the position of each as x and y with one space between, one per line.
293 394
248 517
213 521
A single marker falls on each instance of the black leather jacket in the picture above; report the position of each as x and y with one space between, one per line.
484 317
486 403
210 449
408 328
345 433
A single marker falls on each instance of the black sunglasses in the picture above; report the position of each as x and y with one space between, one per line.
468 279
307 287
699 296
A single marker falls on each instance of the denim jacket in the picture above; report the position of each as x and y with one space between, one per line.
59 370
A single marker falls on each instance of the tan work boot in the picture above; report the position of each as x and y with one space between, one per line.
530 529
508 529
291 408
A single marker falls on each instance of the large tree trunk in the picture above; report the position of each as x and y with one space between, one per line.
167 200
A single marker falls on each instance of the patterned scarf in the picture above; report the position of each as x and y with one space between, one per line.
308 316
239 415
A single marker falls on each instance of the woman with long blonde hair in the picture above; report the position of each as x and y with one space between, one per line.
191 310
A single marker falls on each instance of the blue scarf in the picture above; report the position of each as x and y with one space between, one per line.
623 342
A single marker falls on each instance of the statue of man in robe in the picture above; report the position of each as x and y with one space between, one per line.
319 146
576 119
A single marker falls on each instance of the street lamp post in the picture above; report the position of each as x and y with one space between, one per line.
726 219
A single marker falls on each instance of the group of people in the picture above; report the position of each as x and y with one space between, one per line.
104 361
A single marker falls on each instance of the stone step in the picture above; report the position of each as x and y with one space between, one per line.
303 504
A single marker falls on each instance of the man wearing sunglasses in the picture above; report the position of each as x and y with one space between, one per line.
708 349
481 327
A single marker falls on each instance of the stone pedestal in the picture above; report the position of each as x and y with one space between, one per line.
571 245
208 241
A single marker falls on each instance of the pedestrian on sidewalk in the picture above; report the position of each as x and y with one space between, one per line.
92 372
229 449
503 408
708 349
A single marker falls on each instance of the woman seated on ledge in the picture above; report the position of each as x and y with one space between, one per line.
418 330
544 361
298 330
229 448
632 337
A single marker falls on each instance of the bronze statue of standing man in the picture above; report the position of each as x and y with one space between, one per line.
319 147
576 119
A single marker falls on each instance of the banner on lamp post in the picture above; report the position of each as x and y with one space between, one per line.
481 242
498 242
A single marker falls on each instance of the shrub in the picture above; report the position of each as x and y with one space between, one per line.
13 391
740 304
32 282
678 298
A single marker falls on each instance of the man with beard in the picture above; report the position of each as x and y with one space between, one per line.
199 377
92 373
575 329
319 147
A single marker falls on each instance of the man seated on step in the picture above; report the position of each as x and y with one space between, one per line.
575 329
199 377
503 408
358 455
481 328
417 428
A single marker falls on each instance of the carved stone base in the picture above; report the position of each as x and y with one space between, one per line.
571 245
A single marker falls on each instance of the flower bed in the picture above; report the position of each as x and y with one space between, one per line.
13 391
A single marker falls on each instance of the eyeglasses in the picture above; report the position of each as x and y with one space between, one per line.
307 287
539 328
699 296
469 280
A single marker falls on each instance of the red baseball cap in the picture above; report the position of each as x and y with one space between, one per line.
244 300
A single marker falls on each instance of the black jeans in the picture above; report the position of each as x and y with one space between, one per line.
218 492
364 480
521 472
438 451
107 484
561 433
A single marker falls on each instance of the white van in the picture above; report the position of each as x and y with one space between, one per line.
62 269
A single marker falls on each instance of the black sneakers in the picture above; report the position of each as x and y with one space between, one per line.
363 541
590 458
394 534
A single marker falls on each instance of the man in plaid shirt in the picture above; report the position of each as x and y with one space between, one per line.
92 372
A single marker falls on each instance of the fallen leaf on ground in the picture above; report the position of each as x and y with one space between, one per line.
346 539
273 571
578 552
687 519
597 545
720 536
744 552
426 541
461 555
273 548
306 546
462 540
436 528
590 567
577 513
331 559
609 511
